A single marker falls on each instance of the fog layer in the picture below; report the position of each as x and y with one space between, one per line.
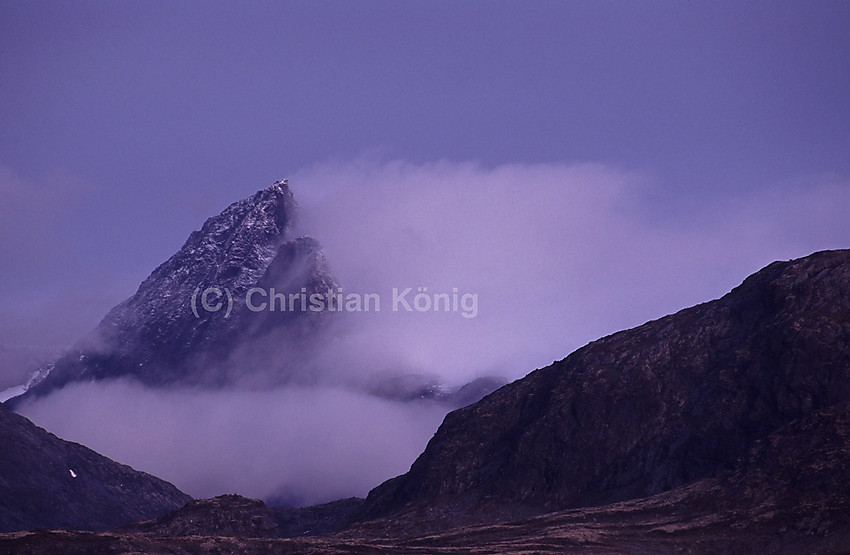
557 255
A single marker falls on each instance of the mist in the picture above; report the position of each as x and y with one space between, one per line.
299 445
556 254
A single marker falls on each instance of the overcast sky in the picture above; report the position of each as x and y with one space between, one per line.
123 125
583 166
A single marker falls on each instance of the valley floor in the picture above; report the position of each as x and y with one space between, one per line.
686 520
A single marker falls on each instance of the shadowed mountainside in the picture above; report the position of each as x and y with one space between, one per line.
46 482
787 494
649 409
722 428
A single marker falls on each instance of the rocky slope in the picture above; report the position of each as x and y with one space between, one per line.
237 516
162 334
724 428
645 410
46 482
788 494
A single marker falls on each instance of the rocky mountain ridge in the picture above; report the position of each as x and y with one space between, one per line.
163 334
649 409
722 428
786 495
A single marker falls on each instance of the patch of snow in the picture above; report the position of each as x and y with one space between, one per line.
7 394
38 376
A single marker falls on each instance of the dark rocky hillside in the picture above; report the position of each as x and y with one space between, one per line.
788 494
649 409
724 428
46 482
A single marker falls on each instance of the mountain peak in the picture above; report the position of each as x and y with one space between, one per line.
266 215
159 336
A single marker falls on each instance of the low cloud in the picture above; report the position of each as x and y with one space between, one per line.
301 445
558 255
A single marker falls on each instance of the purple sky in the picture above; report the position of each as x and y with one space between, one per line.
124 124
584 166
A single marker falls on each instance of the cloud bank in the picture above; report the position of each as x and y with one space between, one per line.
557 254
298 445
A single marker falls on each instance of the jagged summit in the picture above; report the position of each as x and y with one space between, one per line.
232 250
163 334
159 335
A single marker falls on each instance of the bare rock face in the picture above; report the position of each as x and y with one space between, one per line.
649 409
46 482
163 334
